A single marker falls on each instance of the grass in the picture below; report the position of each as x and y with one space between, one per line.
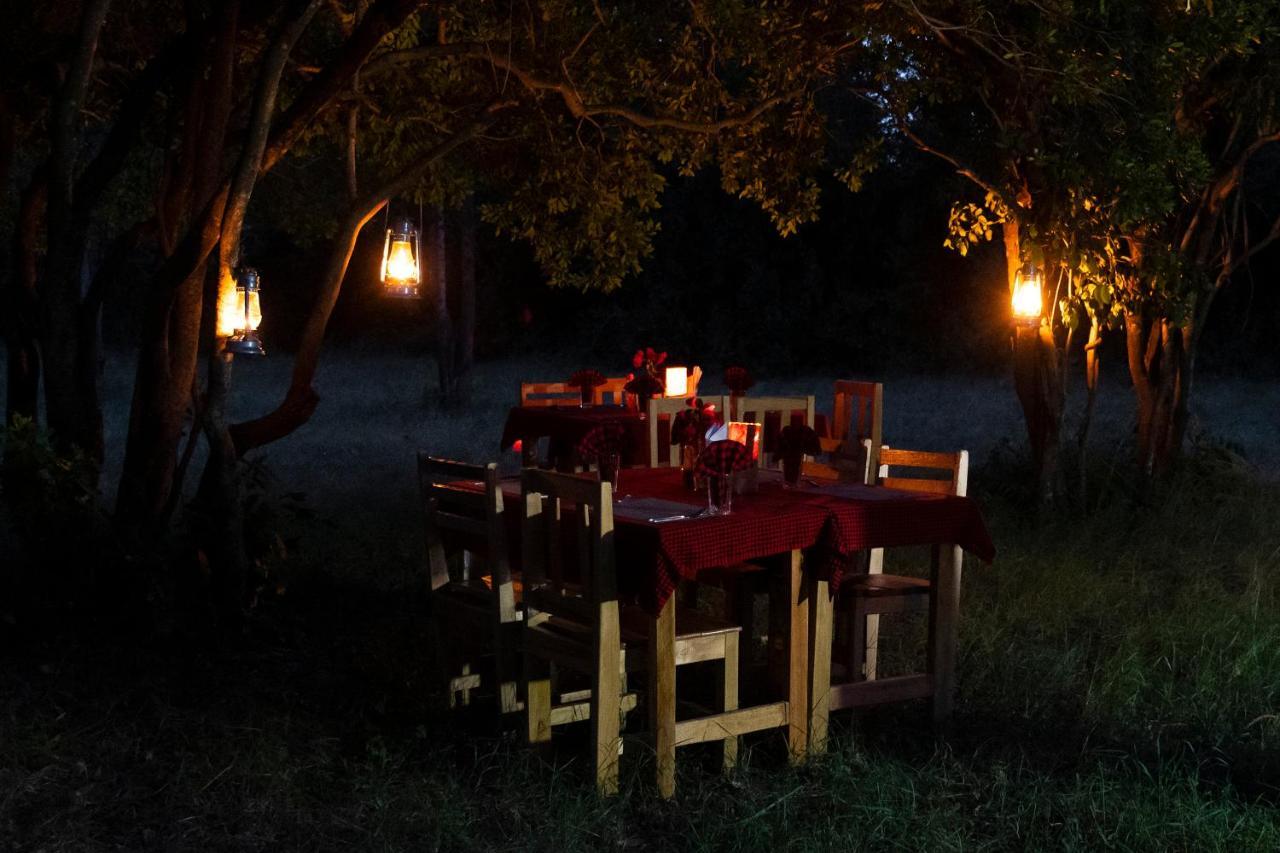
1119 689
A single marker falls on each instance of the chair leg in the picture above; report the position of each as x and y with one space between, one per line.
857 640
871 632
606 699
875 566
537 700
662 697
729 696
506 667
740 608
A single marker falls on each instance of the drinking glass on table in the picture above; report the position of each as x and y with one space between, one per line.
610 464
719 494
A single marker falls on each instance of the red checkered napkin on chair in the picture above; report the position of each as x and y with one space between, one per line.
601 439
721 458
797 440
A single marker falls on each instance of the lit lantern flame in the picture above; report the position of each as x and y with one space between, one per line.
677 384
401 256
1027 298
248 317
244 339
400 263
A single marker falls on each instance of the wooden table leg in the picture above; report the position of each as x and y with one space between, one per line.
662 696
529 452
820 641
944 614
798 659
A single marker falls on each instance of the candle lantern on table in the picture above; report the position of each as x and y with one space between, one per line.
677 382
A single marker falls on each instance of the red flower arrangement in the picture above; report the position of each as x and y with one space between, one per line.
738 379
649 361
644 386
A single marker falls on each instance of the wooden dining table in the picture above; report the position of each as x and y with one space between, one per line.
809 534
567 426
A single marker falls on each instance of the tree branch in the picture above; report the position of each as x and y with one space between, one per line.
250 164
301 400
382 18
573 102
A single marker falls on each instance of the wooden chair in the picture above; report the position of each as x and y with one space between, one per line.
867 597
584 628
548 394
758 409
856 422
666 408
838 467
474 604
613 391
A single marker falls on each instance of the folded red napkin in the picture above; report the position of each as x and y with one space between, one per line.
797 440
721 458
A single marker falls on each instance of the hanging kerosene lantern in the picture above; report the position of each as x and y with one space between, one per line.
402 262
244 340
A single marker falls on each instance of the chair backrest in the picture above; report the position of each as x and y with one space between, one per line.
666 408
856 417
760 409
548 394
458 521
695 379
548 498
936 473
613 391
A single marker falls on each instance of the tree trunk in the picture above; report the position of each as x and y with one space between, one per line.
169 353
21 308
1038 379
73 412
1161 356
221 497
465 292
1039 368
440 268
1092 370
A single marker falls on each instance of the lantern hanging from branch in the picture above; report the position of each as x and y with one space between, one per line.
402 262
1028 289
244 339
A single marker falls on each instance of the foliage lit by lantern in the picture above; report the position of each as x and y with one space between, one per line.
402 261
244 339
1027 296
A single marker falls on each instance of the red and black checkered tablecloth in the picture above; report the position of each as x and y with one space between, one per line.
831 523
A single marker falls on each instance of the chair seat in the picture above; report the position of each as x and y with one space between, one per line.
883 586
634 623
517 584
